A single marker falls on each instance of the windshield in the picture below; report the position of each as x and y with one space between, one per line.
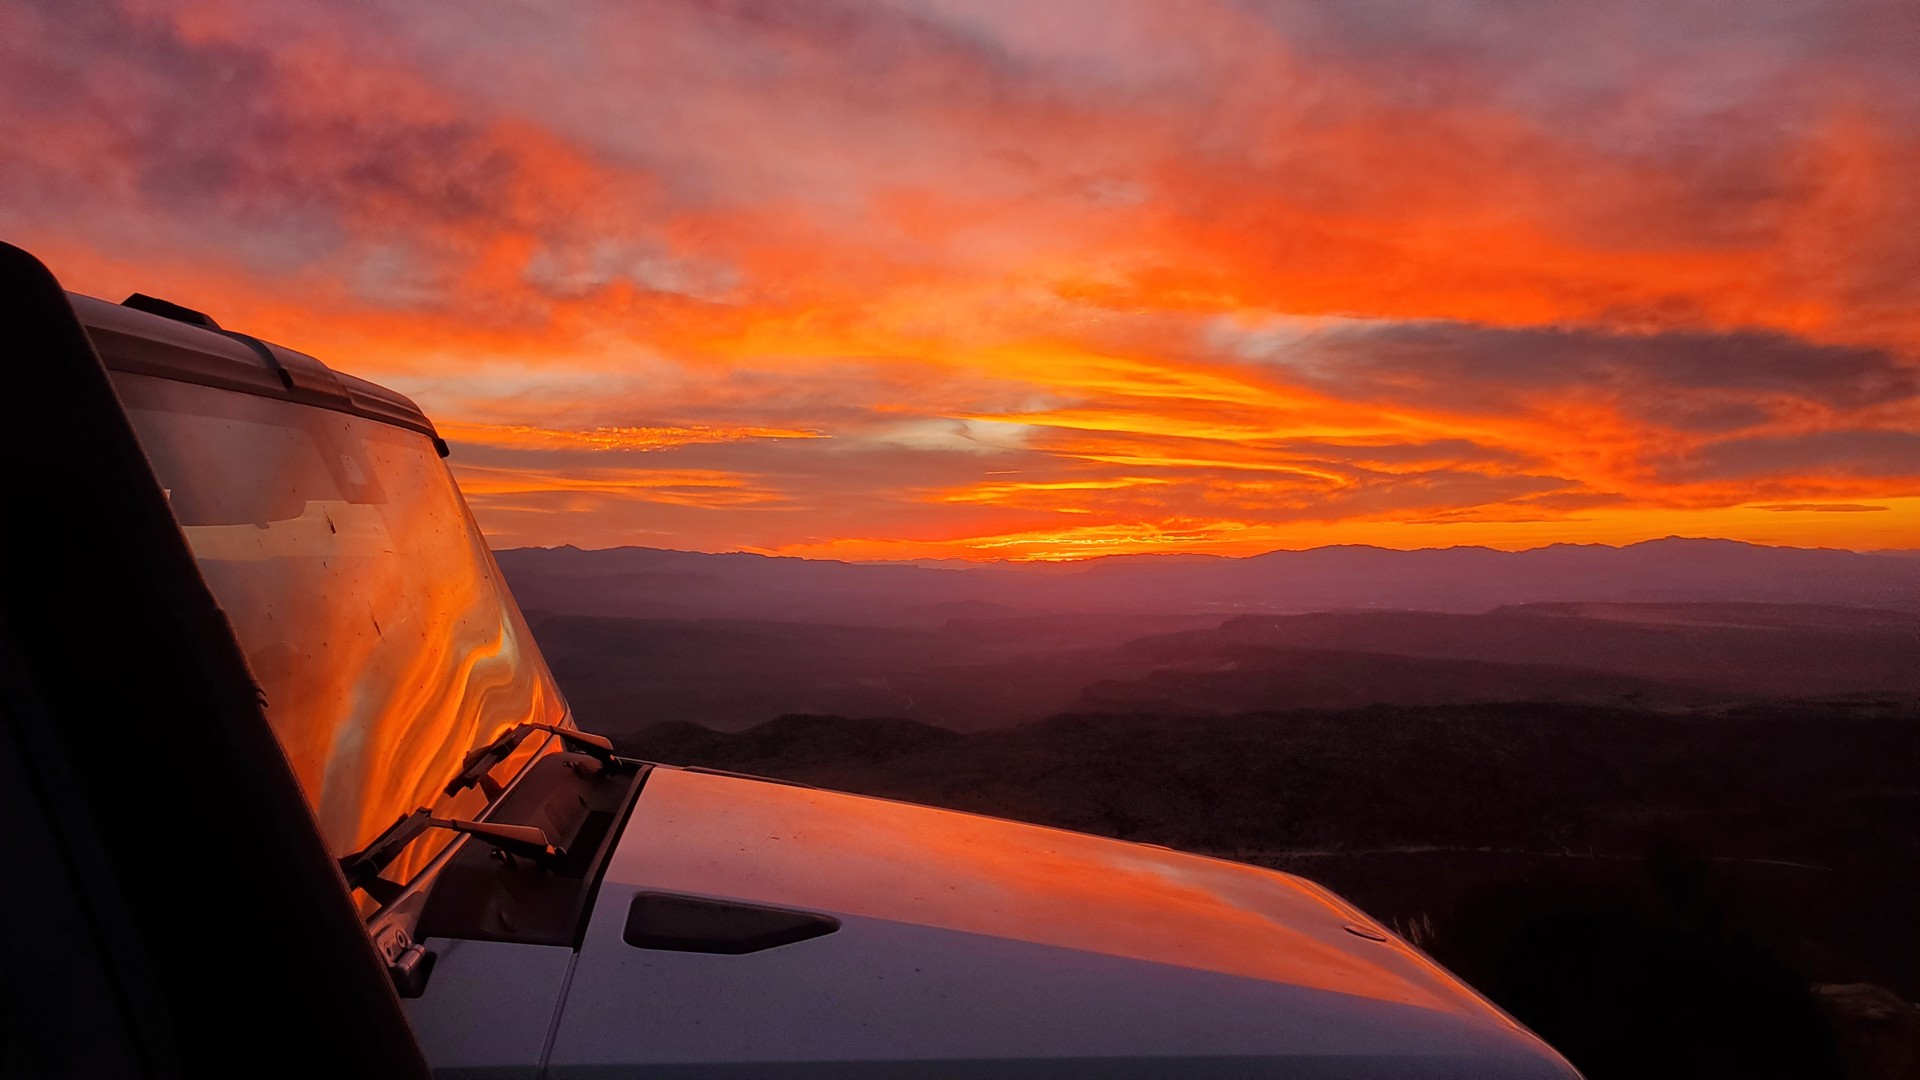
369 607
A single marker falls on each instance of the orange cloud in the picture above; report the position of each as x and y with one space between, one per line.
523 437
900 279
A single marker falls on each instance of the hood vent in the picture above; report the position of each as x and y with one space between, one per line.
694 924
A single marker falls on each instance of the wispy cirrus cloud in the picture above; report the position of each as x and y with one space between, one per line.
524 437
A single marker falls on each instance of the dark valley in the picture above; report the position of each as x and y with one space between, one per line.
1671 789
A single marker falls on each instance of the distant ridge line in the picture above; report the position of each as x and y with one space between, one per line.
1160 556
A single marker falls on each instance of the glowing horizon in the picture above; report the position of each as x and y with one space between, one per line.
973 279
984 553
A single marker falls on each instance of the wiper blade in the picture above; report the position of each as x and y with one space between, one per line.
363 868
483 760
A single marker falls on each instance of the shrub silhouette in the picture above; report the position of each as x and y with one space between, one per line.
1639 975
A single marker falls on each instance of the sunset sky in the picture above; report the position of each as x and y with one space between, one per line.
1003 279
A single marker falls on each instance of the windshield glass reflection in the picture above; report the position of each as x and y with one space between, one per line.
370 610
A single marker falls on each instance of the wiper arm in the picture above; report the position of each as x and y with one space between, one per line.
483 760
363 868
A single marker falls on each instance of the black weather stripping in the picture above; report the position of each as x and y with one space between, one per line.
691 924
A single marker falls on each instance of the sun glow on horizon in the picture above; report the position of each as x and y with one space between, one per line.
1898 528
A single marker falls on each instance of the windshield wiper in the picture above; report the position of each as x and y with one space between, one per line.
362 868
483 760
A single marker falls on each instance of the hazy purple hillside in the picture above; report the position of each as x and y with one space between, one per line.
1752 650
991 672
650 583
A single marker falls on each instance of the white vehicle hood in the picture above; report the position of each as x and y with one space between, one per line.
973 946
